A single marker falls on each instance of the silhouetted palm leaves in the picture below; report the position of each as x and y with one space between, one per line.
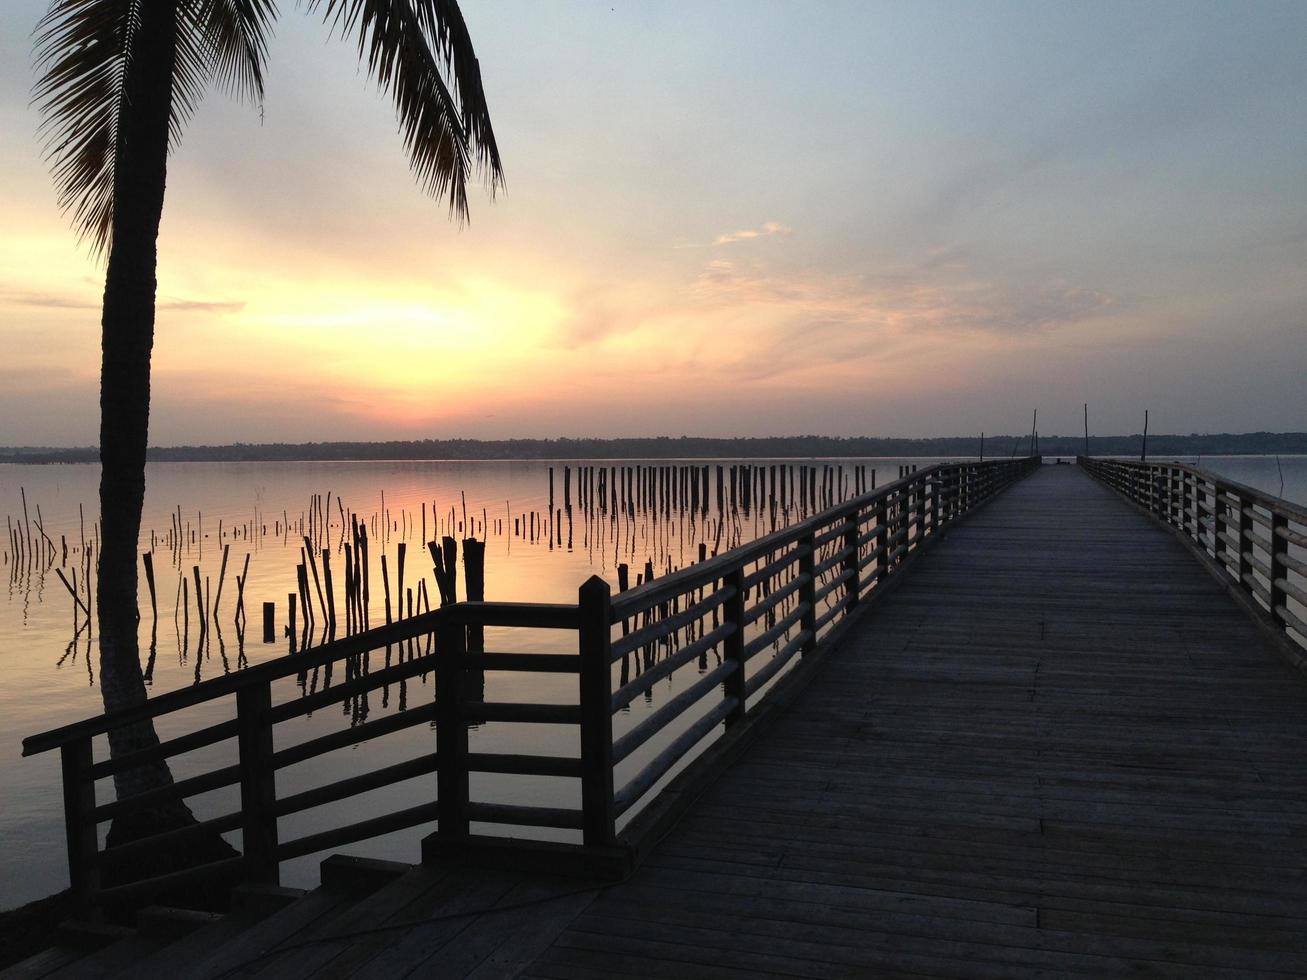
418 50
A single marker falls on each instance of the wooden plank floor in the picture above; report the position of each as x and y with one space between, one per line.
1057 750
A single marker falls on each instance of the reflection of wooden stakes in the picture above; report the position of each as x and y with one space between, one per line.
269 622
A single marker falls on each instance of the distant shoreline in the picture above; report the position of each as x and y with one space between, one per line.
690 447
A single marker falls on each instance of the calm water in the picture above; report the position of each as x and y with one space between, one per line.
49 674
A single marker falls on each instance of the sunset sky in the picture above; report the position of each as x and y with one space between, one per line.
725 218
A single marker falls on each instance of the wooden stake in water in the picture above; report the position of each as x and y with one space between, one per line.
148 559
222 574
331 594
199 600
240 590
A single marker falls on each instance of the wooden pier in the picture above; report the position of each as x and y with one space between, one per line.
1059 746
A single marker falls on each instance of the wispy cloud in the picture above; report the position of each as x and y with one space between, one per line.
73 301
916 298
202 306
47 301
840 320
769 229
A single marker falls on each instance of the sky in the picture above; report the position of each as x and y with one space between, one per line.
720 219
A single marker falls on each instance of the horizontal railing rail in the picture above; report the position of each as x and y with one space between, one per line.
1258 541
734 621
760 606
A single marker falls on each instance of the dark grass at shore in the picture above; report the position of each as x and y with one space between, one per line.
695 447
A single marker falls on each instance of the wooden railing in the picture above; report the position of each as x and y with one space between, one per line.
751 610
1258 541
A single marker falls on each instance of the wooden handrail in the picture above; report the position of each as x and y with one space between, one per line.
801 580
1218 517
818 581
522 614
691 577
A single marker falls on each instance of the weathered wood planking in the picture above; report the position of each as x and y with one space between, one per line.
1058 750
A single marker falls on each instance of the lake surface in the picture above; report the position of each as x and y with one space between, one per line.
260 513
196 511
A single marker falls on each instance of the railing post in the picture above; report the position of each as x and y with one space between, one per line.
258 783
920 487
881 540
1245 545
733 645
79 822
1219 510
599 818
850 563
1279 570
808 592
934 482
451 731
1190 504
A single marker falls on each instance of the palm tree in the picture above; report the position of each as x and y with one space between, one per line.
118 81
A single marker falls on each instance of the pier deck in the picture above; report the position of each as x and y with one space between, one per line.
1058 748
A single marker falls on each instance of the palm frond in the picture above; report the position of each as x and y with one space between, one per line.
84 50
236 36
410 46
222 40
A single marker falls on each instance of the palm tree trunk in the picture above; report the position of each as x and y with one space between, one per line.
140 171
127 325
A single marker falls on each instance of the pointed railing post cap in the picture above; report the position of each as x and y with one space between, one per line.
594 587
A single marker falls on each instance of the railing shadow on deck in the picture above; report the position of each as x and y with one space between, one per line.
753 609
1255 542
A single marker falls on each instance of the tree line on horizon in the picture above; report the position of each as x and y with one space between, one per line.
677 447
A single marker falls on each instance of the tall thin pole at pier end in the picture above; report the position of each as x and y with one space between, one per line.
1143 450
1086 429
